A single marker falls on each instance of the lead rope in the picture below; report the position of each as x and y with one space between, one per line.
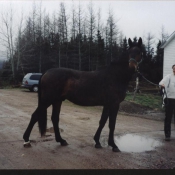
163 93
162 88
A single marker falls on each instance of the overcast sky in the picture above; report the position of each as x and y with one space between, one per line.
135 18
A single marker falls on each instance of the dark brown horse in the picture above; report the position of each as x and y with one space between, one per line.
105 88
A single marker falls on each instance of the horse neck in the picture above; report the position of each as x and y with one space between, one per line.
121 71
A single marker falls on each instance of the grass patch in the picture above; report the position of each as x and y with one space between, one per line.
149 100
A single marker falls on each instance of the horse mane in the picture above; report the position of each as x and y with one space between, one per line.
121 61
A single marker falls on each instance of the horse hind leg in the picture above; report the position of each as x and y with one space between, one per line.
102 122
39 115
55 120
33 120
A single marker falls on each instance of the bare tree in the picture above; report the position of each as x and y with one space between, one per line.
164 35
34 22
40 36
112 32
121 39
148 45
99 20
7 36
54 23
99 37
20 47
63 31
73 23
80 18
63 23
91 21
92 27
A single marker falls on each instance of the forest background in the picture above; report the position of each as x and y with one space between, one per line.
76 40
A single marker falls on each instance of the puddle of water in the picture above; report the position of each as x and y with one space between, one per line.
136 143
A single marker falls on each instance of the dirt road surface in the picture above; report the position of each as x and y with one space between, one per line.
78 126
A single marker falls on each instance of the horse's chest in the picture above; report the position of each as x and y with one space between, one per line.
117 92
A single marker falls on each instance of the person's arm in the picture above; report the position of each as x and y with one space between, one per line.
164 82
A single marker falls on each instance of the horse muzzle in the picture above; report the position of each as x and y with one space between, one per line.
134 63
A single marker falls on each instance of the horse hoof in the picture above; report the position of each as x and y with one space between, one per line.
98 146
64 143
115 150
27 144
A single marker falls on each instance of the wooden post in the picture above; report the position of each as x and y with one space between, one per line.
137 88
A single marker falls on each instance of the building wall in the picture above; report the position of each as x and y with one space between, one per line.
169 57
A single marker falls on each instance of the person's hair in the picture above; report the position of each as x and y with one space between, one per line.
173 66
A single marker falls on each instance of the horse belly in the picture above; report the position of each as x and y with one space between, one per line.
83 99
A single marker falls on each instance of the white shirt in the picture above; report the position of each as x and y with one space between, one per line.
169 82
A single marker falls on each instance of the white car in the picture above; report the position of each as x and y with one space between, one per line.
30 81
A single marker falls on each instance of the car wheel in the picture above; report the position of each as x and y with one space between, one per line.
35 88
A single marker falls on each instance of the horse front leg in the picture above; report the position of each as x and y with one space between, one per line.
102 122
55 120
112 121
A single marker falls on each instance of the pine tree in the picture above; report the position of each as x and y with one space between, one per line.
100 54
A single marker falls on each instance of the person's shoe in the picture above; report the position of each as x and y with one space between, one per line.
167 138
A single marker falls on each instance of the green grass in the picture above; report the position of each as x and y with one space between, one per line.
149 100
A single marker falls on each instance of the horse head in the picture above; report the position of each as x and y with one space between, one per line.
135 53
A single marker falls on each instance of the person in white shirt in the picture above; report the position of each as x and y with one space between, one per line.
168 82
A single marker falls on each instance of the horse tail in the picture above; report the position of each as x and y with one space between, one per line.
39 90
42 112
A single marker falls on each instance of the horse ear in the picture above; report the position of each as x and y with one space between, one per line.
130 42
140 42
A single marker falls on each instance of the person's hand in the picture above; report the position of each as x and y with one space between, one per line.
162 86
